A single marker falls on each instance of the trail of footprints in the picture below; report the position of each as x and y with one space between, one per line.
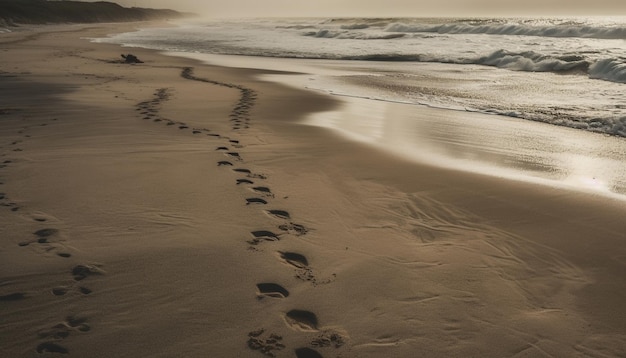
48 239
267 343
45 241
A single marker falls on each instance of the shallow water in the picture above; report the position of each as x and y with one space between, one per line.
506 147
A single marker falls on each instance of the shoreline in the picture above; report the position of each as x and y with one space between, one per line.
504 147
151 244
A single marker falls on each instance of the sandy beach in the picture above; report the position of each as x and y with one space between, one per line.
175 209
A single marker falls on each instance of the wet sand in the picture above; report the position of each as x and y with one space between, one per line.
172 208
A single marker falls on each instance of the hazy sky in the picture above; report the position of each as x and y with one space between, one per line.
416 8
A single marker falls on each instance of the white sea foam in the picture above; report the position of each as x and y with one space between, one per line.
583 31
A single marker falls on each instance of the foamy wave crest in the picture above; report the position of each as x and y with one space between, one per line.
514 29
611 126
604 125
533 62
609 70
355 26
348 35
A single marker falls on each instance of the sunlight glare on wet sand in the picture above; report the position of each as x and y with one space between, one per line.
488 144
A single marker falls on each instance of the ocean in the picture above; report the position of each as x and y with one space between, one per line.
536 99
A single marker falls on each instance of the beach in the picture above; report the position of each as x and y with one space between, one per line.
172 208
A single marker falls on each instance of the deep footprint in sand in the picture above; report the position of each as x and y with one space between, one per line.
294 259
244 171
263 190
303 271
244 181
301 320
255 201
272 290
307 353
280 214
224 163
262 235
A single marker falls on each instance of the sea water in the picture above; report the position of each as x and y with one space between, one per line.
540 99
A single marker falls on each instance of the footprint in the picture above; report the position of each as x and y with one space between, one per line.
295 259
255 201
224 162
244 181
272 290
51 347
281 214
12 297
303 271
221 148
245 171
257 342
59 291
234 155
64 329
81 272
301 320
262 235
78 323
294 229
44 234
263 190
84 290
307 353
329 338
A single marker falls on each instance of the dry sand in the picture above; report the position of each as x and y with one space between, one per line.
174 209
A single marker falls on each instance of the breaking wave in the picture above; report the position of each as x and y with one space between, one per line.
613 70
348 35
513 29
531 61
609 70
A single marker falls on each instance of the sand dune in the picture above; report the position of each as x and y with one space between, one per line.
175 209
